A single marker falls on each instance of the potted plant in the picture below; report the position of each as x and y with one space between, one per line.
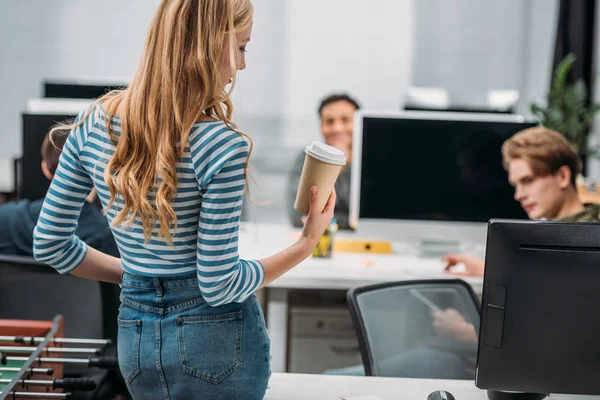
566 110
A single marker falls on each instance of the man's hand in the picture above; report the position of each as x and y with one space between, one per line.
473 265
451 323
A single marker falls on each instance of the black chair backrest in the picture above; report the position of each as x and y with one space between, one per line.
395 320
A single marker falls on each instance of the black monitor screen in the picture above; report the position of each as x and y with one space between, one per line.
442 170
77 91
540 321
32 184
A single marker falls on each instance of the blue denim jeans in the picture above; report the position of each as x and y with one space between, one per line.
173 345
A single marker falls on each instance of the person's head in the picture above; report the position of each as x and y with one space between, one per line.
192 52
337 120
543 167
51 151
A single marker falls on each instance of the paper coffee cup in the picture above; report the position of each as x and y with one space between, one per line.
322 166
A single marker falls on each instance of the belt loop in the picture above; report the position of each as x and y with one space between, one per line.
159 289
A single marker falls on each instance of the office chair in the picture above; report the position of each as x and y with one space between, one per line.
35 291
394 326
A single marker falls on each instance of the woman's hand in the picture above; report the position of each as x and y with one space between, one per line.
317 220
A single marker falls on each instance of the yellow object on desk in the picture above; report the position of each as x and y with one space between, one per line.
588 194
342 245
325 246
362 246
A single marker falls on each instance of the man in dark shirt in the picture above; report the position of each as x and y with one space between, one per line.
18 219
337 122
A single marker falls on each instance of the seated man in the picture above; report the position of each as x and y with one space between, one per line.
543 167
18 219
337 122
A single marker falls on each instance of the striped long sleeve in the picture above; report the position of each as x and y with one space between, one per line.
54 240
208 204
219 162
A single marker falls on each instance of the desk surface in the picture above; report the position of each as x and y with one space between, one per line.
344 270
329 387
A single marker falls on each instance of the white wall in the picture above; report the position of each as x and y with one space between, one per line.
303 50
99 38
63 39
25 51
364 48
469 47
258 91
300 50
539 52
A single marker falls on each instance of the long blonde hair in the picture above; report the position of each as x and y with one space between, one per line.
178 82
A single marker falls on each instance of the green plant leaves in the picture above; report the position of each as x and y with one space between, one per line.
566 110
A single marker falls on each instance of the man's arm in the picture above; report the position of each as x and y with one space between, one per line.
473 266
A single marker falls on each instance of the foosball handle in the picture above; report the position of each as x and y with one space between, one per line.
21 340
74 384
104 362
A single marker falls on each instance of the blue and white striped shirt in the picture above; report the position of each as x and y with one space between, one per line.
208 205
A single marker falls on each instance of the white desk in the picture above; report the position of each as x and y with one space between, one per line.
328 387
7 175
343 271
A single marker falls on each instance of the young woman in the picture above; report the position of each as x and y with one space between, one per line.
170 167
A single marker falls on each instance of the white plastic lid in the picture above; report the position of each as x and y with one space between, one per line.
325 153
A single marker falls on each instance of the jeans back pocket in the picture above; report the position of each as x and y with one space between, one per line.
128 348
210 346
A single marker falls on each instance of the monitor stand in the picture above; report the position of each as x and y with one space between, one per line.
499 395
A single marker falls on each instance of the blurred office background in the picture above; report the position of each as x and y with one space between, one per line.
301 50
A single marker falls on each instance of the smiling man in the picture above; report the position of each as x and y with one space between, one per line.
336 113
542 167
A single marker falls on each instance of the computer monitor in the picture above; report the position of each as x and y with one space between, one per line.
540 320
31 182
87 89
423 166
455 108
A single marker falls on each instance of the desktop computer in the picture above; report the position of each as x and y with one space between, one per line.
540 321
441 170
31 182
459 109
82 89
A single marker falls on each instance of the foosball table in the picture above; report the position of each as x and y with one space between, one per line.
34 353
